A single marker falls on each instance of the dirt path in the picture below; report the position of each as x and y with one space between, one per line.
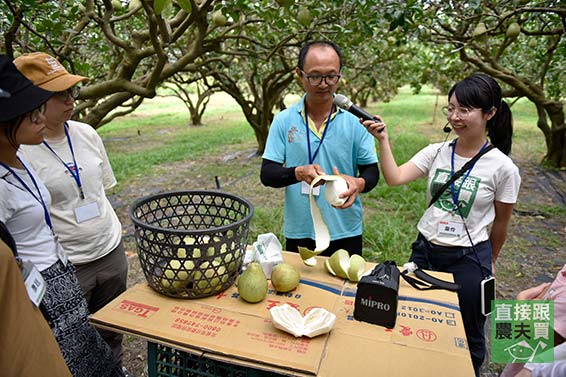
536 246
534 252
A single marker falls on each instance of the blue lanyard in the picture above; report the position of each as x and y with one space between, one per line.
40 199
312 157
456 194
75 174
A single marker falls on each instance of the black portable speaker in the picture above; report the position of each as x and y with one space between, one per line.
377 296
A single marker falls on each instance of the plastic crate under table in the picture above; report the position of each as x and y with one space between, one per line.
168 361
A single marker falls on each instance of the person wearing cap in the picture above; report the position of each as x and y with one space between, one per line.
73 164
24 209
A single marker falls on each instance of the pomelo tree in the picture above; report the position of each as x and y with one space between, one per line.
195 92
130 48
127 48
520 43
264 52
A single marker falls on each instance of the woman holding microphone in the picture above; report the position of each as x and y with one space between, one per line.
465 225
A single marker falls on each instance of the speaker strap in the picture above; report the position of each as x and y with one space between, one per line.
426 282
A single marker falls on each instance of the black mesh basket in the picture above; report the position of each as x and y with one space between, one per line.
191 243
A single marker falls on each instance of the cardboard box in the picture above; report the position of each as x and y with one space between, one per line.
428 339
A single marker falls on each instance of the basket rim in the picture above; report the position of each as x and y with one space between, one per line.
164 194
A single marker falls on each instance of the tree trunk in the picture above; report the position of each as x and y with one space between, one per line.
196 118
555 136
363 98
261 137
260 123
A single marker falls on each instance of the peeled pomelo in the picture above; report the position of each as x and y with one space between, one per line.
334 187
316 322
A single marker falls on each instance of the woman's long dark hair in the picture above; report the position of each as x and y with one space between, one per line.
483 92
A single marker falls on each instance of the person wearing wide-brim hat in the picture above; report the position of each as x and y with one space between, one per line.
73 164
24 209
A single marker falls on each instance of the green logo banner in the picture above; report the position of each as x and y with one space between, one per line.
468 190
522 331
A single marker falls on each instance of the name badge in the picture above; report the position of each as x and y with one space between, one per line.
87 212
34 282
306 188
451 228
61 254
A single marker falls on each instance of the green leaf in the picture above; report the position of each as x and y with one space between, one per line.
397 22
159 5
185 5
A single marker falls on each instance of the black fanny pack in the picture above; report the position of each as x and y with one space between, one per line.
378 293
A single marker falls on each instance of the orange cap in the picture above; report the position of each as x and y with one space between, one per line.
46 72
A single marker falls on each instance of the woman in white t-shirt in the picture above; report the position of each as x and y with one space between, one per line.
73 164
464 229
24 208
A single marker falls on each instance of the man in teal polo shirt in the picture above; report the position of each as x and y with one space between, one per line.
333 142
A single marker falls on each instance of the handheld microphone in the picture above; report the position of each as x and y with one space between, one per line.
344 103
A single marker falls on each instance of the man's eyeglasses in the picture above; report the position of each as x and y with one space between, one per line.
316 80
72 92
462 112
35 115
